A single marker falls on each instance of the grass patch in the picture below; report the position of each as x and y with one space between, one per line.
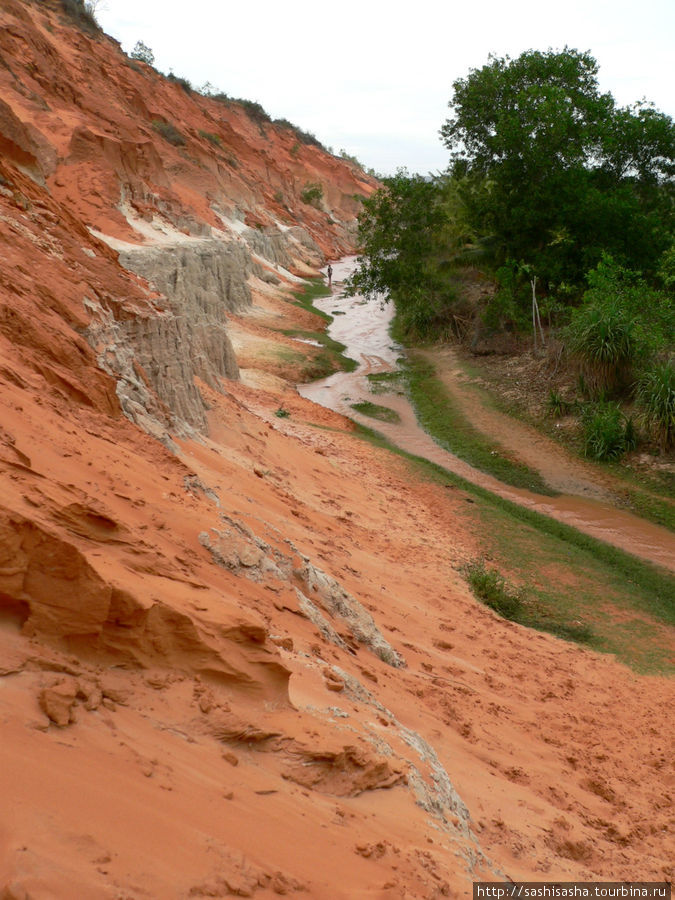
212 138
169 132
577 587
385 382
375 411
330 359
648 493
655 509
313 289
81 14
449 427
491 588
515 604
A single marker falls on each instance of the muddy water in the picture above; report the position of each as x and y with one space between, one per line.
364 329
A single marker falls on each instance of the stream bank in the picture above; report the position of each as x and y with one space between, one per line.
584 501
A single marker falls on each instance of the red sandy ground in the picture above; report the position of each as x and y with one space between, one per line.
211 761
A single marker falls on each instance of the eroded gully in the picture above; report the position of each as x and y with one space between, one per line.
363 327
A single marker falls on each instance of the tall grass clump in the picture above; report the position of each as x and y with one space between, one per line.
492 590
607 433
513 604
82 13
602 338
169 132
655 396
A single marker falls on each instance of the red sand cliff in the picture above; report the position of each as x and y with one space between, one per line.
201 642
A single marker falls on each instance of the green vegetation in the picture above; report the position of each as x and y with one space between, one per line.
312 194
282 413
556 404
451 429
506 242
608 190
182 82
212 138
385 382
305 137
83 14
491 588
400 229
169 132
655 396
311 290
143 53
607 433
574 584
331 358
518 606
375 411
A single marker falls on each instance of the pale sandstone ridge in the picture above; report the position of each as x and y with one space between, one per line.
236 655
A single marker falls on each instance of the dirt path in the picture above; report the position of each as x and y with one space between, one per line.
559 469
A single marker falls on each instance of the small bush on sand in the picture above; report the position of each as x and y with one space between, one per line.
491 588
169 132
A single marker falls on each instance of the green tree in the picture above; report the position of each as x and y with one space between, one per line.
554 171
400 239
143 53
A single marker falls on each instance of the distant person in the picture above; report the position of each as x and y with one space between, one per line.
329 270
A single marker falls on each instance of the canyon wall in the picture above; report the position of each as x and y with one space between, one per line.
194 196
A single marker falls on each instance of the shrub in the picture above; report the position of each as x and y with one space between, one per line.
305 137
602 337
183 82
211 138
253 110
350 158
655 396
312 194
556 404
82 14
375 411
491 588
607 434
169 132
282 413
143 53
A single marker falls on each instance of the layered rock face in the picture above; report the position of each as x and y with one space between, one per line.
196 198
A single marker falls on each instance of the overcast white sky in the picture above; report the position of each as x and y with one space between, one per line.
375 77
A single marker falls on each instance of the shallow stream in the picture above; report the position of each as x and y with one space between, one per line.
363 327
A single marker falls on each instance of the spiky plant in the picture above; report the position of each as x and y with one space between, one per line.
607 433
655 396
602 338
556 404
